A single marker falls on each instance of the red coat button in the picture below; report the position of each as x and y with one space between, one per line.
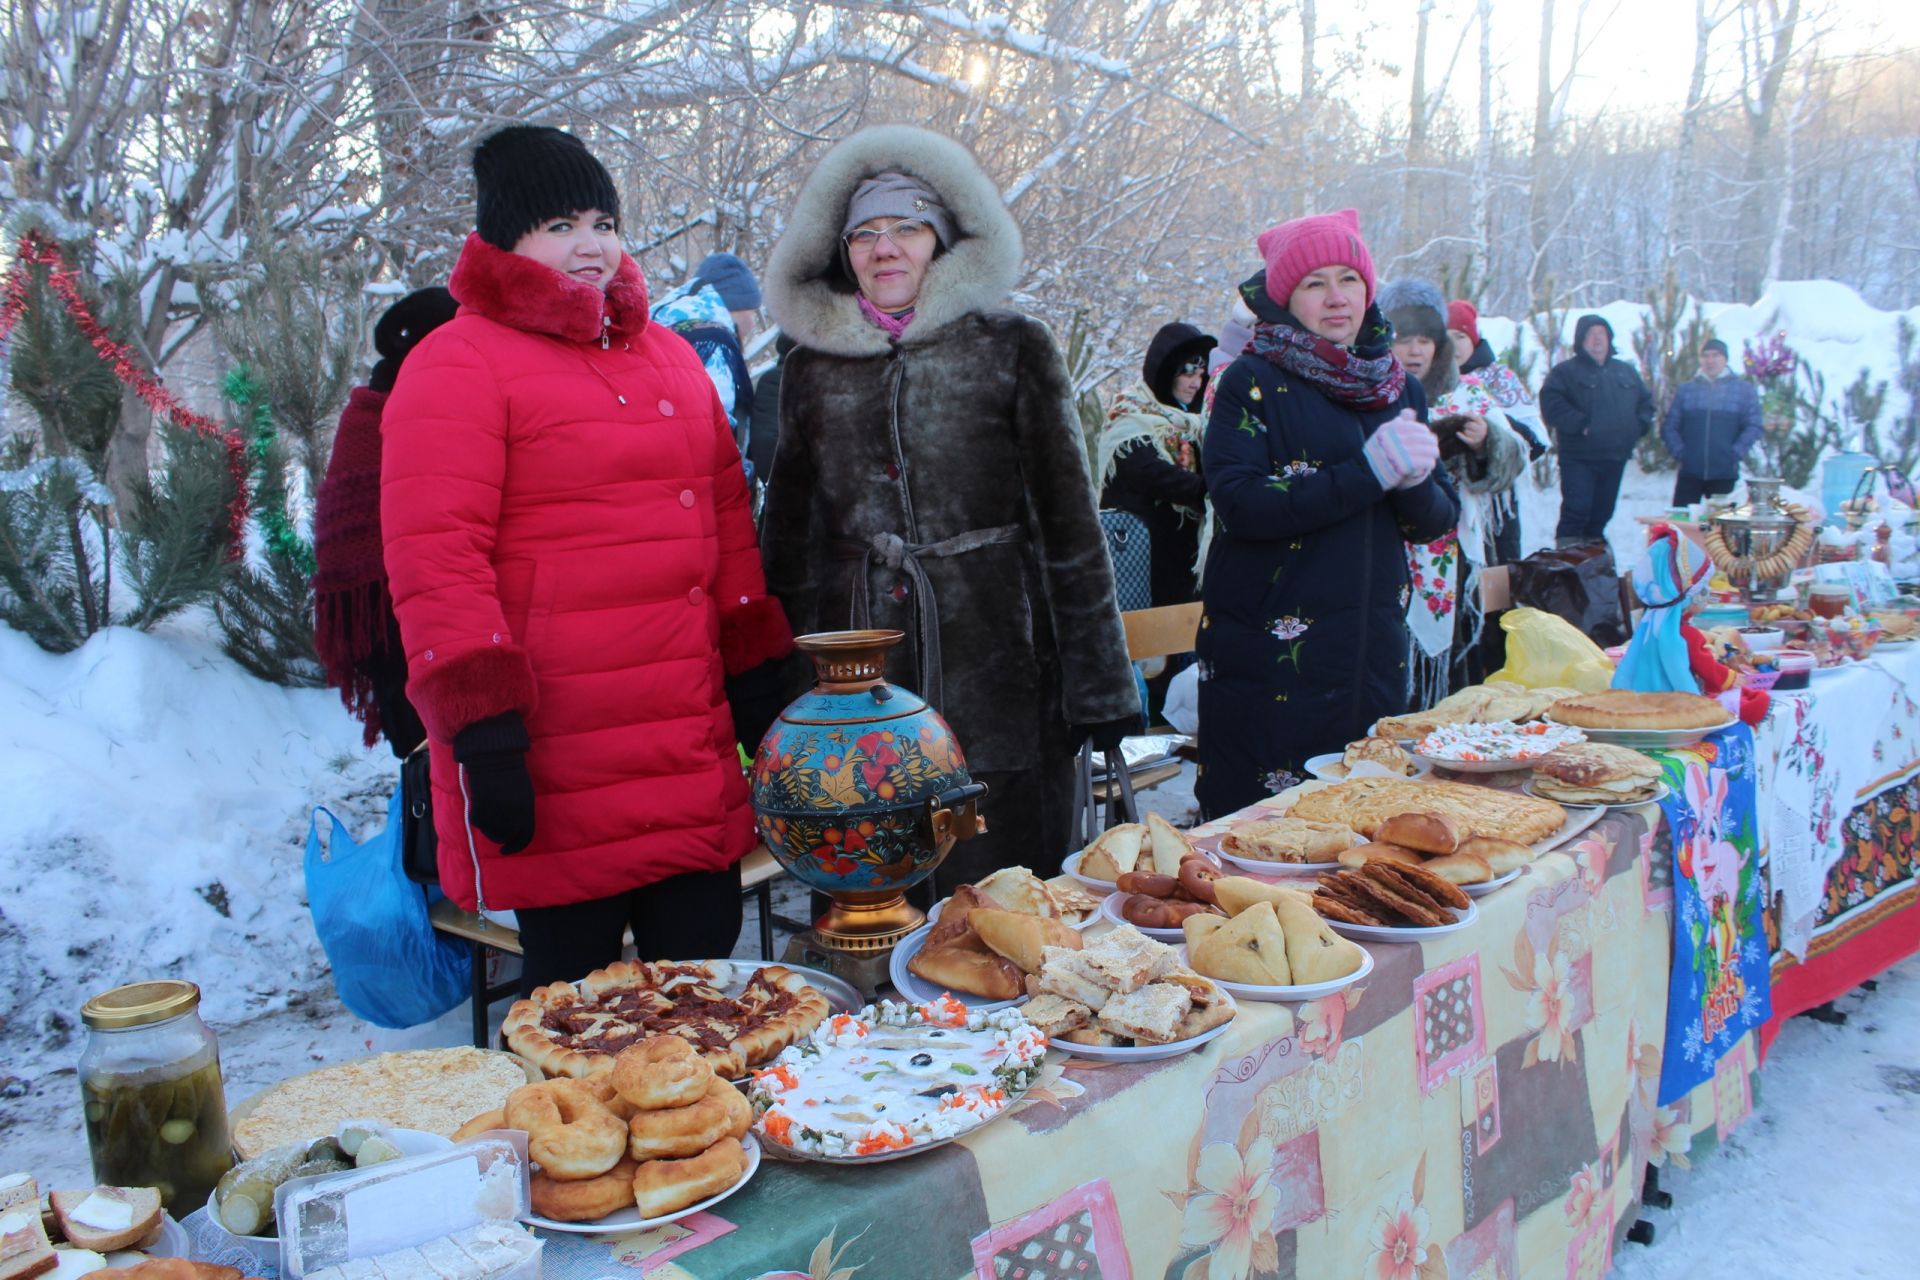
696 595
893 471
666 408
900 591
686 497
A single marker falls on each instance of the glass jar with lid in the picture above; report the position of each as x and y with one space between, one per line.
156 1112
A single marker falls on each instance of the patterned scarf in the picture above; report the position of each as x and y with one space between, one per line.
1365 376
893 326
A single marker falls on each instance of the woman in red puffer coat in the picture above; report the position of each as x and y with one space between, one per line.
575 571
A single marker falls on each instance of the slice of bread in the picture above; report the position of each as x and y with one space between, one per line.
107 1218
24 1248
18 1189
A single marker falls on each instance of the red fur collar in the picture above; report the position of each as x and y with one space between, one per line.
518 291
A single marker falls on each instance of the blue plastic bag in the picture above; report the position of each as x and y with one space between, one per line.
389 965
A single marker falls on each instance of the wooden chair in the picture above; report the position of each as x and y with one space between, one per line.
1157 633
758 871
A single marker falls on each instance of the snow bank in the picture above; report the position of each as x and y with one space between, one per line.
157 799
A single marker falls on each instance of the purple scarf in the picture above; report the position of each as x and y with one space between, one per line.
1365 376
893 326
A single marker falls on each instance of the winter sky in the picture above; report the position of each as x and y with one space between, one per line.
1639 52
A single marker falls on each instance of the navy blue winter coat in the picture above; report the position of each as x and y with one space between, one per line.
1596 409
1712 424
1304 637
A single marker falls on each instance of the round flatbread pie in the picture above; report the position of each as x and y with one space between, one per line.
569 1030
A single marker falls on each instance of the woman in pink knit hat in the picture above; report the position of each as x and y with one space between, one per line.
1320 470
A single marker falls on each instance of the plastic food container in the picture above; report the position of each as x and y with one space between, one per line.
1760 639
1795 668
1839 640
341 1219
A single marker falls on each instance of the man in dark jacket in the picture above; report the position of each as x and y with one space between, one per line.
1598 408
1713 424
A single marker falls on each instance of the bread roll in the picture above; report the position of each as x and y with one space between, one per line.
1460 868
1375 851
1501 856
1421 831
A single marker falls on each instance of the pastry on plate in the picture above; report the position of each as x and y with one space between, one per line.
1596 773
1384 752
1421 831
1117 850
1287 840
1365 804
1631 709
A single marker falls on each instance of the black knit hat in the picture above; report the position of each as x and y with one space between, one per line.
401 328
525 174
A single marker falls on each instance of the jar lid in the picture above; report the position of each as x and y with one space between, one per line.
140 1003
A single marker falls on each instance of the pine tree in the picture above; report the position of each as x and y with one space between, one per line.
1667 344
265 608
59 544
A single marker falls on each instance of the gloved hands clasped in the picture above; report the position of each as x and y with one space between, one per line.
1401 451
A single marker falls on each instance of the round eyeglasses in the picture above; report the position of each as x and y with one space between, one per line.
903 235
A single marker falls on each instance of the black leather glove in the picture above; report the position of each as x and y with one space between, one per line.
757 697
1106 734
499 789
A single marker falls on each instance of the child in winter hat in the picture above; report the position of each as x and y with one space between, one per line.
525 174
1294 249
1464 317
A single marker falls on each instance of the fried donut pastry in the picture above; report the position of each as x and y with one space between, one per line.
494 1119
739 1110
662 1186
569 1134
678 1132
585 1199
661 1072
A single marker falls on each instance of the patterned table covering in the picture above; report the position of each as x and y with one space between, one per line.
1842 832
1481 1107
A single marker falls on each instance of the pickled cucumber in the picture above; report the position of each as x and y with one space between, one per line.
242 1214
355 1132
376 1150
163 1128
327 1149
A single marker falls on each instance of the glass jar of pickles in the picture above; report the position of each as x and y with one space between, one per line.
156 1112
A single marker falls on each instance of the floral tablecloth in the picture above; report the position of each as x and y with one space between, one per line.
1481 1106
1841 831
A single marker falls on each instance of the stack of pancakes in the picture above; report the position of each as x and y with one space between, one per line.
1596 773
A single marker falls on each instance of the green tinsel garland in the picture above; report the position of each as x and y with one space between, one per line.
281 537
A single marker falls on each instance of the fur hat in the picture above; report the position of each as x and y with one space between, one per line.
401 328
525 174
1295 249
1465 317
1415 308
731 279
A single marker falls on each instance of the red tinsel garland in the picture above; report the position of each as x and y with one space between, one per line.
38 250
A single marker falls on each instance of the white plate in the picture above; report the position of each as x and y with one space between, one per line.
175 1243
1071 865
1111 910
1388 933
1486 887
1329 768
933 917
1655 798
918 990
1147 1052
629 1219
1650 739
1890 643
1298 991
1579 818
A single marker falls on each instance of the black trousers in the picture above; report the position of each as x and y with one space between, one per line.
1688 490
1589 487
695 916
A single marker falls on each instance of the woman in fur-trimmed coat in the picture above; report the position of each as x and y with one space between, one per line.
930 477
